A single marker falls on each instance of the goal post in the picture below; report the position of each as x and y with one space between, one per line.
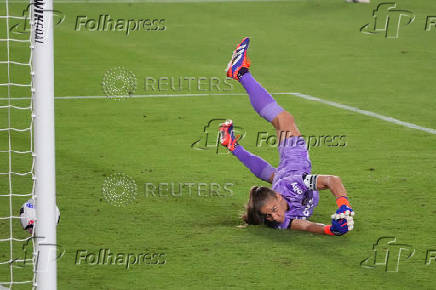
44 143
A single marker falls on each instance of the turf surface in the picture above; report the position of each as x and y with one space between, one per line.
311 47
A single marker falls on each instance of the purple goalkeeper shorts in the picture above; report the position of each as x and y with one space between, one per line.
294 162
294 158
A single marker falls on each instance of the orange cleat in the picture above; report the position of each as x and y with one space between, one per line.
227 138
239 59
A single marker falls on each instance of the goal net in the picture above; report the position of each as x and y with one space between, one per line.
27 144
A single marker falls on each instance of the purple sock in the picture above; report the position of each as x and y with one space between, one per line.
262 102
257 165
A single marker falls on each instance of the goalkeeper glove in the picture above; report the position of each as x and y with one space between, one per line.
347 213
344 211
337 228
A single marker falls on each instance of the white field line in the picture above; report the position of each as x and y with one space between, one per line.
299 95
364 112
157 1
136 96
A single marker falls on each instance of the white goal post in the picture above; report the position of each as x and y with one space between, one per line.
44 144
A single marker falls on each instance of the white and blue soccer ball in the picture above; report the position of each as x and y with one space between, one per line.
28 215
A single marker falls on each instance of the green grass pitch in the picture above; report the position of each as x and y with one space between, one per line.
311 47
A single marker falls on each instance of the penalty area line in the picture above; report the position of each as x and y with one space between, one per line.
157 1
326 102
151 96
299 95
363 112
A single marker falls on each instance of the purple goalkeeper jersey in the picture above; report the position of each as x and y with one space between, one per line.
293 180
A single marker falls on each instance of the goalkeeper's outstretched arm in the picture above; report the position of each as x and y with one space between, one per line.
337 228
305 225
334 183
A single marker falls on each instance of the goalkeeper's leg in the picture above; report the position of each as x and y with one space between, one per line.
259 167
262 102
265 105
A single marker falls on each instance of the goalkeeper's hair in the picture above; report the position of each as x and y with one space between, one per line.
258 197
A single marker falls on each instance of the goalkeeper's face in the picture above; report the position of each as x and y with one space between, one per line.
274 208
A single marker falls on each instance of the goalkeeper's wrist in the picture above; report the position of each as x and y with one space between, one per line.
327 230
342 200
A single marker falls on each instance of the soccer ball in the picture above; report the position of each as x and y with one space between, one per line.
28 215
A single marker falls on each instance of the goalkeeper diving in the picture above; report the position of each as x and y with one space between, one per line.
293 196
